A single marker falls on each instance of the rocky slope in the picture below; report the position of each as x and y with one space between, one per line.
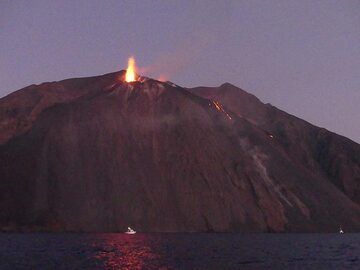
99 154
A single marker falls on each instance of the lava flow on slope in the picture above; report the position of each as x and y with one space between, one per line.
100 153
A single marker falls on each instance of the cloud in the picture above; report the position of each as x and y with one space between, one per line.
206 24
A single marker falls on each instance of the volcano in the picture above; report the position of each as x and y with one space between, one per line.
100 154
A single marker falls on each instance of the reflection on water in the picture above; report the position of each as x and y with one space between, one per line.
122 251
179 251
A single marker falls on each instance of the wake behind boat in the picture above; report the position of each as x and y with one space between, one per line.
130 231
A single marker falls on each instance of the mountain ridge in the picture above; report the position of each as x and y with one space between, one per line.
99 154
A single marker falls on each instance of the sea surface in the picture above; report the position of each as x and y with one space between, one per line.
179 251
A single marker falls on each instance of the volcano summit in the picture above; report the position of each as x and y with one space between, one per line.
100 154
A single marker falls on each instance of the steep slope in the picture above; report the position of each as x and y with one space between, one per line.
20 109
101 154
323 152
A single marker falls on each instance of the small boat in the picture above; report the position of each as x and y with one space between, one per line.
130 231
341 231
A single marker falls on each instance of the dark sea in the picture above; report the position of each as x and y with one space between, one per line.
179 251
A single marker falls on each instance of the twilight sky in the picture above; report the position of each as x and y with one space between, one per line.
301 56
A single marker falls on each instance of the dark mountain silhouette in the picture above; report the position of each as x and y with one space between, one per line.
100 154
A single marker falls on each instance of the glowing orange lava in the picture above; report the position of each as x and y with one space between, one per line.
220 108
130 71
